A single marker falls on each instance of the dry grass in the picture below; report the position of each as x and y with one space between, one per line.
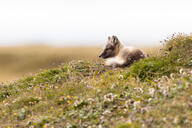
19 61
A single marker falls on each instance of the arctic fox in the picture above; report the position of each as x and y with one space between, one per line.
118 55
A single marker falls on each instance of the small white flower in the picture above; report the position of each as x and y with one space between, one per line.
102 118
139 89
109 97
151 91
172 76
164 119
100 126
106 112
69 125
165 78
164 92
115 96
181 71
125 110
121 76
150 99
175 121
136 103
77 102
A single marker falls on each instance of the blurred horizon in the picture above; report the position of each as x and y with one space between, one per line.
89 23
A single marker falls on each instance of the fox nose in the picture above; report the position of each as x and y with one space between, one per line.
100 55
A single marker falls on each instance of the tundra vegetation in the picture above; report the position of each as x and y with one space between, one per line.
17 61
154 92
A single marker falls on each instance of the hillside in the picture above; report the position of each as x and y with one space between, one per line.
17 61
154 92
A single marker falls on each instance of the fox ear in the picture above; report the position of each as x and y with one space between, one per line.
115 40
109 37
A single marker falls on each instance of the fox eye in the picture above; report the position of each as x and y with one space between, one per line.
111 48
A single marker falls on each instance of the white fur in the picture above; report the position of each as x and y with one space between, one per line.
123 55
119 60
114 61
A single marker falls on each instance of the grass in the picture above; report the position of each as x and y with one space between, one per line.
24 60
177 53
20 61
154 92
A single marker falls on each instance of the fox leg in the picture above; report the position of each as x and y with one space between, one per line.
115 62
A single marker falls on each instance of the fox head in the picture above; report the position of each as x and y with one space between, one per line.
112 48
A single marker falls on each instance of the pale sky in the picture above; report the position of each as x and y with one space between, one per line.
89 22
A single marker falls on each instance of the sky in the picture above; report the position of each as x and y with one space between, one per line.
90 22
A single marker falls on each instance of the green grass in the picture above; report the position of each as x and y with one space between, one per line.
176 53
83 94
